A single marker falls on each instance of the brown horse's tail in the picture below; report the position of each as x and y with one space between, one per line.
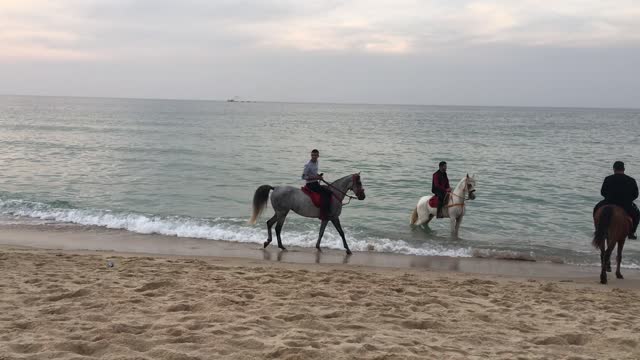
260 201
604 220
414 216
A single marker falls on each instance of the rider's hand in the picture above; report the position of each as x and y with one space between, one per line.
320 175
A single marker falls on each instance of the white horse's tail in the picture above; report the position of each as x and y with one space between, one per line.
414 216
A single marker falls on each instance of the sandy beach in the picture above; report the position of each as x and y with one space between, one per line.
70 304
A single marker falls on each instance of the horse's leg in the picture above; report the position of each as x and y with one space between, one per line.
453 227
418 219
610 248
424 215
603 264
336 223
279 225
458 222
270 223
323 225
619 259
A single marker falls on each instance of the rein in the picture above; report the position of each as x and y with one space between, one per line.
462 197
340 191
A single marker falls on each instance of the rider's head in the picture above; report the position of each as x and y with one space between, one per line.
618 167
315 154
442 166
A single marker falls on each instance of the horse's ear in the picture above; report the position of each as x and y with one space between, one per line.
467 175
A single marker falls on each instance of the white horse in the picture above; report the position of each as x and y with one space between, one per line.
454 209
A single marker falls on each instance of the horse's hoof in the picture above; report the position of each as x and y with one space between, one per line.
266 243
318 248
619 276
282 248
603 279
349 252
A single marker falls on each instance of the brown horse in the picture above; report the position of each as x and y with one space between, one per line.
613 224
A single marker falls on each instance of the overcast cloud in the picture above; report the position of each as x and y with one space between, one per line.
516 52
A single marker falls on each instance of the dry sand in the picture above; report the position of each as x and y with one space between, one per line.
70 305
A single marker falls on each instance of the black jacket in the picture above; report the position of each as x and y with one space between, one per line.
619 189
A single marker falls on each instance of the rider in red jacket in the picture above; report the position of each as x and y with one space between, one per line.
440 185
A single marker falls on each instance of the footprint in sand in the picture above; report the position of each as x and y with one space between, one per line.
82 347
26 348
129 329
294 317
72 294
420 324
168 354
154 285
625 342
180 307
566 339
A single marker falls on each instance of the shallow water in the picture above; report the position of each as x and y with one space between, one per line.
190 168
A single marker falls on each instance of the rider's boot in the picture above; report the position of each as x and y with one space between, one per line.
633 236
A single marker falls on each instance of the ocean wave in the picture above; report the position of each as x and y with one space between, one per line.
228 229
297 233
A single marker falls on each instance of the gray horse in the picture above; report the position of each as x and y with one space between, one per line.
285 198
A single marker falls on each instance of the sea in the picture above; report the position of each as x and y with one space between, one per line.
190 169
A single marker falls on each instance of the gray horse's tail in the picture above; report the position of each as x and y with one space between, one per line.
260 201
414 216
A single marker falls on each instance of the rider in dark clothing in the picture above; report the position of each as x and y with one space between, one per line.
620 189
440 184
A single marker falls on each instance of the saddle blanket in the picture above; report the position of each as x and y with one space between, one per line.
316 199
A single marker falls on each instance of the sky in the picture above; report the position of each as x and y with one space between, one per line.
582 53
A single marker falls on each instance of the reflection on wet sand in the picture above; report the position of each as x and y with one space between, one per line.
436 263
98 239
345 258
305 256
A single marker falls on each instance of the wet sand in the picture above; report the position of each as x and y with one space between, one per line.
74 238
169 298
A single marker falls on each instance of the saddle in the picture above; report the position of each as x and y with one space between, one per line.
628 216
316 198
434 201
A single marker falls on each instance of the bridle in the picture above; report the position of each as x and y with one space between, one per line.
464 190
353 181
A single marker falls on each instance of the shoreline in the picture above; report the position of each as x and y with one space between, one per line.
90 239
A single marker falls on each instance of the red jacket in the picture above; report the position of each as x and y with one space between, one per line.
440 182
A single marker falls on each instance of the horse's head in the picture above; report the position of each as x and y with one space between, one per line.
356 186
471 186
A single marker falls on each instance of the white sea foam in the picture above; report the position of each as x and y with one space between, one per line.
215 229
228 229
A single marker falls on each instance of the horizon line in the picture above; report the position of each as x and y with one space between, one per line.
324 102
